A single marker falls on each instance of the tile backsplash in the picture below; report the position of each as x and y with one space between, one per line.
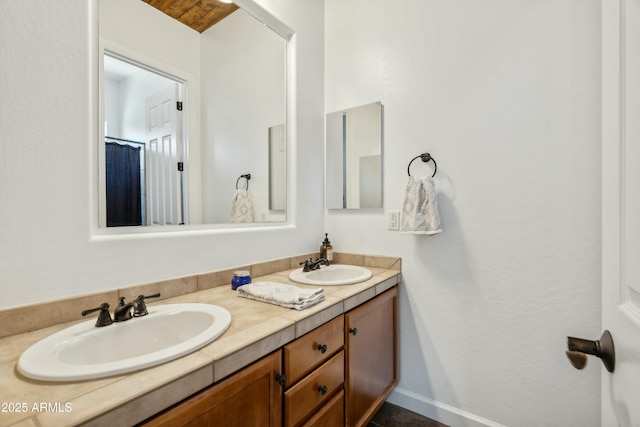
41 315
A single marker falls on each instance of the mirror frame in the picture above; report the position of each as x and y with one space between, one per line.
97 47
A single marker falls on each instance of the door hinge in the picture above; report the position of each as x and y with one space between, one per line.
180 166
179 105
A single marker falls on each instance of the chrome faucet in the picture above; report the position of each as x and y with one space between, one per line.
310 265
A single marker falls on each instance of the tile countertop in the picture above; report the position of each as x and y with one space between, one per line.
256 330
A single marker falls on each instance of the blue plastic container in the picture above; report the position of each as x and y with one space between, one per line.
240 277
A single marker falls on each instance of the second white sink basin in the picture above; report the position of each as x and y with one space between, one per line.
84 351
332 275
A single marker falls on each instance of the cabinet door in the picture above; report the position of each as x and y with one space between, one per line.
250 397
371 356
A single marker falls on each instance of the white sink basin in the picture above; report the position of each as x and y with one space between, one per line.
332 275
84 351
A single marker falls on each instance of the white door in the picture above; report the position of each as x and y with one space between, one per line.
164 153
621 208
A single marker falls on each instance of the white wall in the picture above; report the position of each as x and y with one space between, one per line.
112 107
49 247
505 95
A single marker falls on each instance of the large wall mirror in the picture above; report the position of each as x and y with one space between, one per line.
354 158
192 121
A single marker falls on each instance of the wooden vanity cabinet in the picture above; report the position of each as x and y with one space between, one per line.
338 374
250 397
371 366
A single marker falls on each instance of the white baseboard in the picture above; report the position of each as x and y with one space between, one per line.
438 411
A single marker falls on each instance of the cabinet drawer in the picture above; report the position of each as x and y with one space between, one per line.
313 391
311 350
330 415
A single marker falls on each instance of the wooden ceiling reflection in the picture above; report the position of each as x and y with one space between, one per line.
197 14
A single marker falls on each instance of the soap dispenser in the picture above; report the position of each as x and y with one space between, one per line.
326 250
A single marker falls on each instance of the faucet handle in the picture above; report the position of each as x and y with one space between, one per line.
104 318
307 264
156 295
139 306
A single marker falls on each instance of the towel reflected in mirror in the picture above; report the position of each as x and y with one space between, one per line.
241 207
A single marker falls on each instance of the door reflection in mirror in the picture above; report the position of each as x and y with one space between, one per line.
143 114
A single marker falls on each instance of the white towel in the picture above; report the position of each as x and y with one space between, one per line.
281 294
420 207
241 208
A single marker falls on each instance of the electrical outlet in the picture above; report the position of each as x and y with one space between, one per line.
393 221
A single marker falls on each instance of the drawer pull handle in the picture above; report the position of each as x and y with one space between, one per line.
282 379
322 348
353 331
322 389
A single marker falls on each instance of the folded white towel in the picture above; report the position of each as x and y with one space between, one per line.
420 207
282 294
241 207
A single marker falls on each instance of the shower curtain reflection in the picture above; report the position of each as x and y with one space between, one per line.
124 206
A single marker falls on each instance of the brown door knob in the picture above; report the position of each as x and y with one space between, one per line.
579 348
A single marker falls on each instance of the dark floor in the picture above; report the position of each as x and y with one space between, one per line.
394 416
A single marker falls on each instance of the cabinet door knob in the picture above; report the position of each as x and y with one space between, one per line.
322 389
353 331
322 348
282 379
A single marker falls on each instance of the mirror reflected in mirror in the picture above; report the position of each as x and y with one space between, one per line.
185 113
354 158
